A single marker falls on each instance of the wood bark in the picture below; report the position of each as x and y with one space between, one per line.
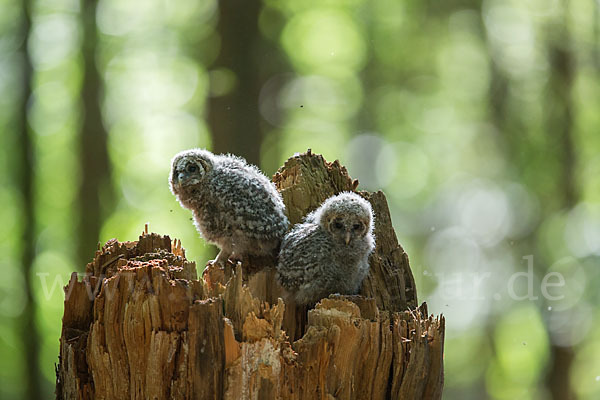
140 325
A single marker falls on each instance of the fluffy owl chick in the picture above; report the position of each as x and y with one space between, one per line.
329 252
234 205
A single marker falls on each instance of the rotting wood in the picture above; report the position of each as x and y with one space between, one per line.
140 324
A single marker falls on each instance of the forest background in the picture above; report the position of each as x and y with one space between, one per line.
478 119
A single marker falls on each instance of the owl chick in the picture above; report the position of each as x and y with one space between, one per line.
233 204
329 252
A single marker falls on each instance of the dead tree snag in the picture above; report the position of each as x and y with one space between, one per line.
140 324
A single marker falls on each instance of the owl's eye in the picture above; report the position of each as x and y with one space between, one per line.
191 168
338 225
356 227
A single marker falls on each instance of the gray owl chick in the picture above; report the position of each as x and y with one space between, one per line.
329 252
234 205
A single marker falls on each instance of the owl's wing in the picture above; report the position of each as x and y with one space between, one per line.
303 253
250 202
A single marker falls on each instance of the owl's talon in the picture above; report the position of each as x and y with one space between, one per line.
213 263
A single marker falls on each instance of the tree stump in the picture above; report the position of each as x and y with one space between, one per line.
140 325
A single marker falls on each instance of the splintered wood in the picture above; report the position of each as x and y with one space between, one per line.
140 325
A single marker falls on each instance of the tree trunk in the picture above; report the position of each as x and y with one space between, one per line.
95 185
234 116
24 178
561 120
140 325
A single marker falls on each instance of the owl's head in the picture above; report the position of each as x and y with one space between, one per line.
346 216
189 168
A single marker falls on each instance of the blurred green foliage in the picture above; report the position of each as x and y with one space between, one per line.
455 109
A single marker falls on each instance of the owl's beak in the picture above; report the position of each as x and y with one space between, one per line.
347 238
180 177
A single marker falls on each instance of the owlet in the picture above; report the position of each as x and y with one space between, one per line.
329 252
233 204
